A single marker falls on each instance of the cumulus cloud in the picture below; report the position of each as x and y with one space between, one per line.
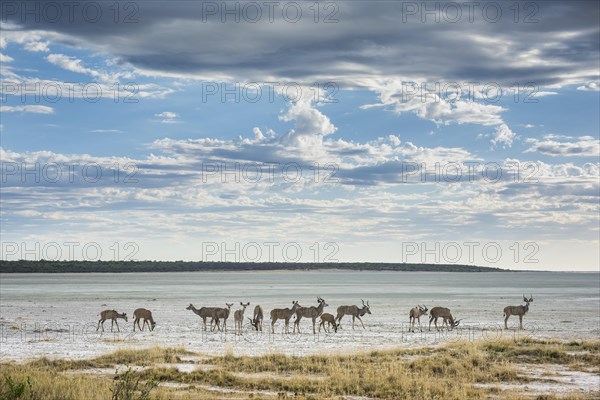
590 86
503 136
168 117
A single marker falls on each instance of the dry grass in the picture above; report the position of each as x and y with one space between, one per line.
451 372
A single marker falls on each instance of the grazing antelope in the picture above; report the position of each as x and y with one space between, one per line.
441 312
203 312
354 311
329 318
112 315
221 313
238 317
146 315
517 310
309 312
257 320
284 314
415 314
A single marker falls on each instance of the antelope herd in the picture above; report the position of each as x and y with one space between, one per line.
221 314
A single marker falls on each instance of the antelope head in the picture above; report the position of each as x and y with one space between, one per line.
423 310
244 305
455 324
527 300
254 323
190 307
124 316
229 305
321 301
366 307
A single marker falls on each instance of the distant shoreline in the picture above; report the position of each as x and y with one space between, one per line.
42 266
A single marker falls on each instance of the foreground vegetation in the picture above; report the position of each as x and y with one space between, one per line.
457 371
44 266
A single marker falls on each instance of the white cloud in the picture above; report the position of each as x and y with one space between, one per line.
543 94
503 136
107 89
569 146
168 117
37 46
5 59
74 64
107 131
429 101
28 109
590 86
71 64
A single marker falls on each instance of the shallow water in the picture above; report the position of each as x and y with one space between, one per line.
57 314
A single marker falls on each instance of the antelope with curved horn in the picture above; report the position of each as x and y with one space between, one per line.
146 315
355 311
238 318
517 310
442 312
112 315
416 314
257 320
309 312
284 314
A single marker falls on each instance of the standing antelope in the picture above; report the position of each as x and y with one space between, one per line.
238 318
354 311
146 315
221 313
203 312
415 314
327 318
309 312
257 320
112 315
517 310
284 314
441 312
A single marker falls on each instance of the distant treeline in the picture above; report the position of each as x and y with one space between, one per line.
25 266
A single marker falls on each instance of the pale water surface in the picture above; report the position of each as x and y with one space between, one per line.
56 314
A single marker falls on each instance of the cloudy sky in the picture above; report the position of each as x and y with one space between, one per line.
257 131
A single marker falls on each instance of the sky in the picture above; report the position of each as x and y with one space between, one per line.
350 131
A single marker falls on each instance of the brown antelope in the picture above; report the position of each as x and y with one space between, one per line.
203 312
327 318
441 312
238 318
146 315
112 315
284 314
517 310
257 320
416 314
354 311
221 313
309 312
